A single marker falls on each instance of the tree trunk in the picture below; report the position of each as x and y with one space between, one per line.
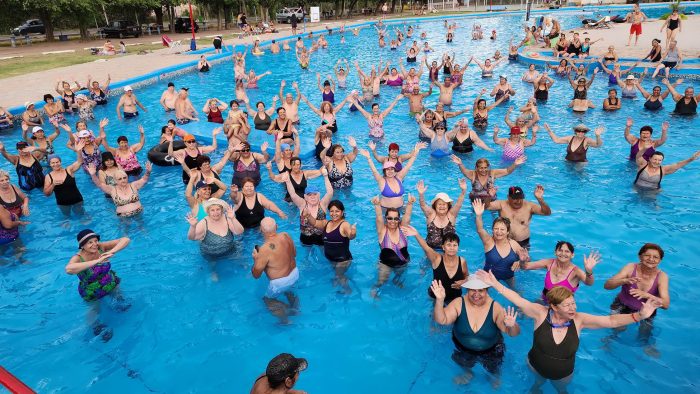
84 34
159 15
393 6
48 25
219 16
351 6
171 17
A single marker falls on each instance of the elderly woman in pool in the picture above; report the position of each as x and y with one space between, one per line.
250 205
340 171
125 194
650 172
440 215
480 111
393 157
391 181
514 146
644 145
559 325
483 177
215 230
11 197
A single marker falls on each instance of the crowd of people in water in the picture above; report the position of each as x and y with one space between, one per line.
478 321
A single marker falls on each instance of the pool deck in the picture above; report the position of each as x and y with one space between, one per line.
20 89
617 36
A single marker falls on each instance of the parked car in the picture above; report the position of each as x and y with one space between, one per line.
182 25
285 14
30 26
121 29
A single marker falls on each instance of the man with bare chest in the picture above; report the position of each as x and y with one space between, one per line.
276 258
184 111
445 90
415 100
520 212
128 101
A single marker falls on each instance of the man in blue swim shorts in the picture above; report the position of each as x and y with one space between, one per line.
129 102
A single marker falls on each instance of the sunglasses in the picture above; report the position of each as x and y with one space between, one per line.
190 142
245 150
393 218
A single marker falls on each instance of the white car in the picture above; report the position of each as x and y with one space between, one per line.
285 14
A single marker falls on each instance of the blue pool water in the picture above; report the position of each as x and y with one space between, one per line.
185 333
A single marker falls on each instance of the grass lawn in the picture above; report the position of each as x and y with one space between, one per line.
38 62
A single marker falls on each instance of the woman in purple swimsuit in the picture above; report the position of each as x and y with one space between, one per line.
644 145
390 182
642 281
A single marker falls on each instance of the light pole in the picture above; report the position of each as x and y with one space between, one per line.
193 42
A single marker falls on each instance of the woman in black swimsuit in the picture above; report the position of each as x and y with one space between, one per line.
558 326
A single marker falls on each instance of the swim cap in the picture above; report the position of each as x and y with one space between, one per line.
85 235
393 146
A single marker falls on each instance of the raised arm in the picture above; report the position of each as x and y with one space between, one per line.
377 176
486 238
530 309
391 106
670 169
557 140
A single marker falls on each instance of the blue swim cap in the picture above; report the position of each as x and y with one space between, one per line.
285 146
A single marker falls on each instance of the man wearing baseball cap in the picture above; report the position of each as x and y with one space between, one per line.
484 346
280 376
520 212
129 102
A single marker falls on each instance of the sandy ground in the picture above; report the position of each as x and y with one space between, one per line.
17 90
618 35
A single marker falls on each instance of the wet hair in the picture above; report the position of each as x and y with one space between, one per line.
375 105
646 128
233 102
480 101
562 243
293 159
557 294
501 219
450 237
122 138
658 153
201 159
260 102
642 250
612 90
337 204
172 121
163 130
247 180
47 97
280 109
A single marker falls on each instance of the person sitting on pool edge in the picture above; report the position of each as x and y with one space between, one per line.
485 345
276 258
281 374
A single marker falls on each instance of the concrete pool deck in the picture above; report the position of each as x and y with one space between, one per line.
617 36
32 86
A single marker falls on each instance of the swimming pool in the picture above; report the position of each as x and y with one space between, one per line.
185 333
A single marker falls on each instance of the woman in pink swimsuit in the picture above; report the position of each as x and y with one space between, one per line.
561 271
514 146
125 155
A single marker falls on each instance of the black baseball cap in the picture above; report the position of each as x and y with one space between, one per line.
516 193
283 366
